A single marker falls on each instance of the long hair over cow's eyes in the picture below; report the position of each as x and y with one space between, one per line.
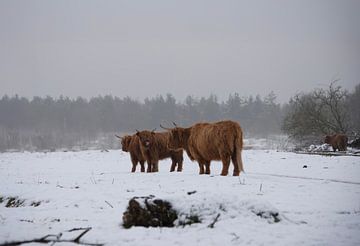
125 142
175 136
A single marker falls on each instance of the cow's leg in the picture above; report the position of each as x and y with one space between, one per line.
173 164
334 147
341 147
207 167
180 164
142 164
236 165
155 167
226 162
134 163
149 168
344 146
201 167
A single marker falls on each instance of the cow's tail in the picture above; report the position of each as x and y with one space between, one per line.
237 159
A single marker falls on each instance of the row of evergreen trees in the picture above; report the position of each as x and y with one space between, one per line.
49 123
52 123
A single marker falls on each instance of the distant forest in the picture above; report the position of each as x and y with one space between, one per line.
54 123
64 123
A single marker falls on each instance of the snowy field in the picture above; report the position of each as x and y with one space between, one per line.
59 191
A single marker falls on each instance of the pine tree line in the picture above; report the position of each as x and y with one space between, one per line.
51 123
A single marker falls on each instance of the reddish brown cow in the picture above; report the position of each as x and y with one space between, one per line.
205 142
153 146
337 141
131 144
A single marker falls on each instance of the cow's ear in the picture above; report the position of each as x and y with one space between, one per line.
137 133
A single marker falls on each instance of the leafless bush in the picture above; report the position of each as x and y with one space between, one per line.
318 113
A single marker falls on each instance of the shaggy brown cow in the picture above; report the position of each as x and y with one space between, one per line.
337 141
153 146
205 142
131 144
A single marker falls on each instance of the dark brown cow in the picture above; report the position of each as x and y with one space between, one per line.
337 141
205 142
131 144
153 146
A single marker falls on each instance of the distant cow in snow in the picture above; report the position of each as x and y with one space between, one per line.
205 142
131 144
337 141
154 147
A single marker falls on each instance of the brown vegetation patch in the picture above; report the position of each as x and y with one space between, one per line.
149 212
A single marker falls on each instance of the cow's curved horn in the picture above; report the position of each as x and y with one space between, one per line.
174 124
165 128
118 136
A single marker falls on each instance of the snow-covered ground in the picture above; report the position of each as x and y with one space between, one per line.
317 205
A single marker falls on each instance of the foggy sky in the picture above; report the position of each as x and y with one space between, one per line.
145 48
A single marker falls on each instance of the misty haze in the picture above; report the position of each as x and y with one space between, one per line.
121 115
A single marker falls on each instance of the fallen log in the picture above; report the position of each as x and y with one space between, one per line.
51 238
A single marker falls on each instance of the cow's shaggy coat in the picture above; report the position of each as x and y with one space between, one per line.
154 147
337 141
205 142
131 144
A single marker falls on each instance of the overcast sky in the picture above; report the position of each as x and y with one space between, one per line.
145 48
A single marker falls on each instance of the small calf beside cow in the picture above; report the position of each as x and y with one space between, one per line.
203 142
150 147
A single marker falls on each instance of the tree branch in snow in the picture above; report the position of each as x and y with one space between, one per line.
215 220
108 203
52 238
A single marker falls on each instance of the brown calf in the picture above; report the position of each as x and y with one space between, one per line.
153 146
131 144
